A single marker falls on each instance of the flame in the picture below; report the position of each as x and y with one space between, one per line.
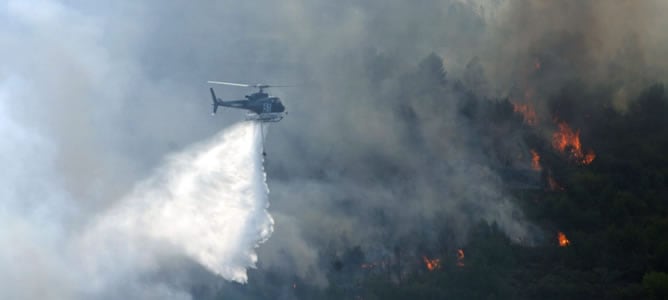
460 257
568 141
535 161
527 111
563 241
432 264
589 157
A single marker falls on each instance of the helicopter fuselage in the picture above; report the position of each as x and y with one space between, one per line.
260 105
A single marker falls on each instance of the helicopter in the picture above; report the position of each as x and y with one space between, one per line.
260 105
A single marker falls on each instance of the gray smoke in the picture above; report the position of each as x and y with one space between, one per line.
377 149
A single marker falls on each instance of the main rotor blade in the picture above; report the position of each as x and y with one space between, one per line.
257 85
232 83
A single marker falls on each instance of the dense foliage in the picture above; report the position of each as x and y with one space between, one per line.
613 210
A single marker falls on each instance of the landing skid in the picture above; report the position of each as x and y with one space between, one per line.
266 117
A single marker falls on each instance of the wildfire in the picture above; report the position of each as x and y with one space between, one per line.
460 258
567 140
563 241
535 161
589 157
432 264
527 111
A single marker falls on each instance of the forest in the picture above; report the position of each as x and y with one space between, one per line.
593 180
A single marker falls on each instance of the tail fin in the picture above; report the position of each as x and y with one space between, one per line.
216 101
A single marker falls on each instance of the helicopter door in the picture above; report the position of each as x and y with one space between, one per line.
266 108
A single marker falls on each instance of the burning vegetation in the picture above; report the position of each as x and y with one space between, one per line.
535 161
567 142
604 214
527 111
563 241
460 257
432 264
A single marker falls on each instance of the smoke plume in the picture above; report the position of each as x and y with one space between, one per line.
388 141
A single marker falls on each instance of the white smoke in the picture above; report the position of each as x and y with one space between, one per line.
33 209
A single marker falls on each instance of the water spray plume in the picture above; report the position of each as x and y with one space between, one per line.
208 203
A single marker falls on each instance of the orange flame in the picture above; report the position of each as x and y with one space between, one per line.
527 111
432 264
568 140
589 157
460 258
535 161
563 241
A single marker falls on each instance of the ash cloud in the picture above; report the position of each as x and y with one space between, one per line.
384 144
618 43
